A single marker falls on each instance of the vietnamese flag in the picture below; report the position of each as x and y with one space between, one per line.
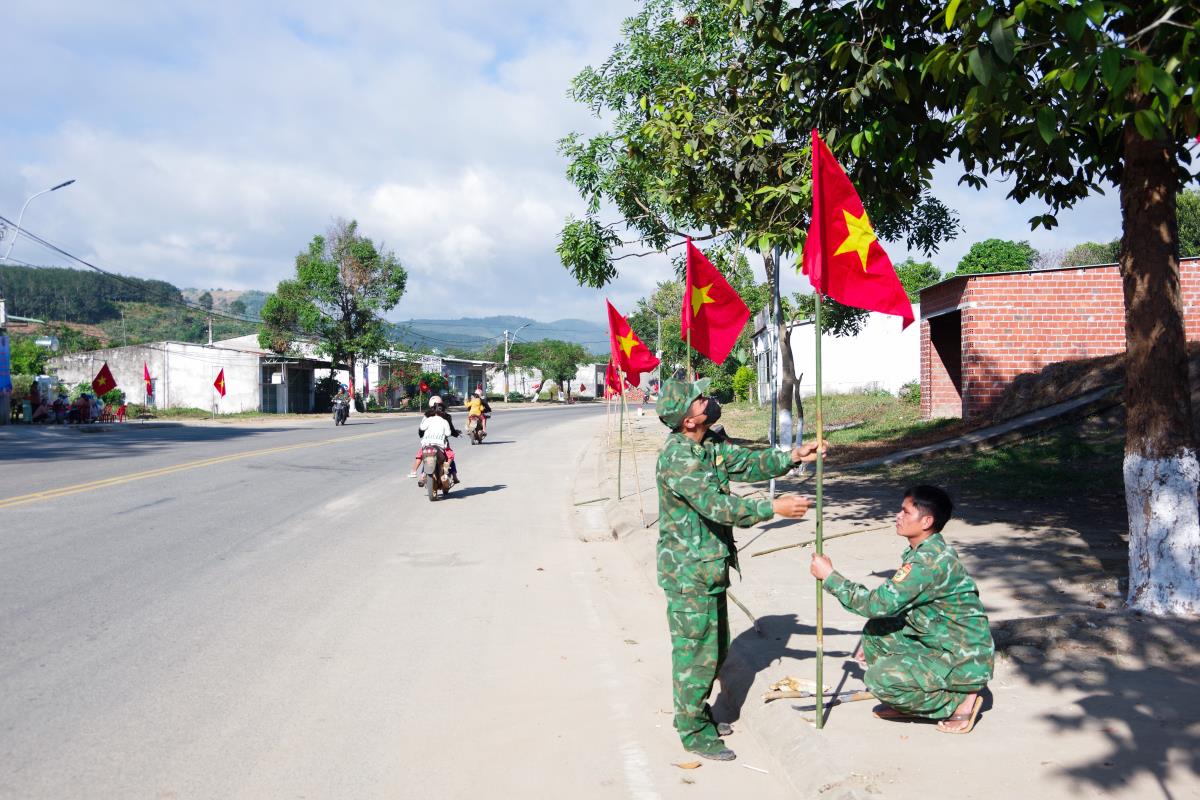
104 382
842 256
612 381
219 383
712 311
629 354
146 378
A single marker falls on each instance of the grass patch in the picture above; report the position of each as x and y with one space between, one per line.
1077 461
869 424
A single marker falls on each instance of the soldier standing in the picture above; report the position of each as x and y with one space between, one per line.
696 548
927 645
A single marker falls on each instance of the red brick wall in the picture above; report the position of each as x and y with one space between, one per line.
1021 322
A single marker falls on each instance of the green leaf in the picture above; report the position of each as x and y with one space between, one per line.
981 66
1110 65
1145 76
1075 23
1003 40
1095 11
984 17
785 82
1146 123
1046 125
1164 83
951 11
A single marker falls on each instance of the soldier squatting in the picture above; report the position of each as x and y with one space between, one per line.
927 646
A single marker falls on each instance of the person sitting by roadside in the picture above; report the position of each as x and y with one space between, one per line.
81 410
927 646
97 408
61 408
39 411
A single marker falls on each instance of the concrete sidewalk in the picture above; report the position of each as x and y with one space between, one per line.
1086 699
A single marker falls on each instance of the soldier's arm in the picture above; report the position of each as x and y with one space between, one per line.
749 465
697 486
889 599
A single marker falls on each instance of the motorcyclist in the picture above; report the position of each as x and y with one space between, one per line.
436 429
342 397
478 406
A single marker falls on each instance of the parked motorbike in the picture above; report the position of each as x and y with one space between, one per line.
475 430
341 411
436 471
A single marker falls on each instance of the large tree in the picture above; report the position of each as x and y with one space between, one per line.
701 143
997 255
557 360
344 284
1061 98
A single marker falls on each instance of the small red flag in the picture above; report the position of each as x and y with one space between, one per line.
146 378
219 383
104 382
842 256
712 310
629 353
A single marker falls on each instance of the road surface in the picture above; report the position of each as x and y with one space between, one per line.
275 610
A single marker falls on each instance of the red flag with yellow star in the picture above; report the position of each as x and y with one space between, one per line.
842 257
629 354
104 382
219 383
713 312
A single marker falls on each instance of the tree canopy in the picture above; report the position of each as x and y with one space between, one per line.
343 285
557 360
997 255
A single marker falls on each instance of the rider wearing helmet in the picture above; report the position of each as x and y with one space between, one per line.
478 406
436 429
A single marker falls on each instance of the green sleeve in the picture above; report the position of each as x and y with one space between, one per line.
750 465
697 486
887 600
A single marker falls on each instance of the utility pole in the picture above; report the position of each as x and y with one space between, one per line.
505 366
210 330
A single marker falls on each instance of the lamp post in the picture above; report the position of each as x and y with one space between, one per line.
17 232
514 339
20 216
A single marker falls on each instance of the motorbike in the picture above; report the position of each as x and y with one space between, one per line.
475 430
436 471
341 411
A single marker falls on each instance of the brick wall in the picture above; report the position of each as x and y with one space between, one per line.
1020 322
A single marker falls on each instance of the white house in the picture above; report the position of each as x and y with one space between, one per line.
881 356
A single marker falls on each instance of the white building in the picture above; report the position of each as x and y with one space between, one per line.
881 356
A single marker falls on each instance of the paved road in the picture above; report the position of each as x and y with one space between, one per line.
249 611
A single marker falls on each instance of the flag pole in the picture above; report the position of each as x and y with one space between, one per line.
819 543
620 430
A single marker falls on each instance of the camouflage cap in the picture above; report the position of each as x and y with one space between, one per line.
675 399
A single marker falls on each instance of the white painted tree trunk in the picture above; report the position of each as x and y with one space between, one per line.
1164 533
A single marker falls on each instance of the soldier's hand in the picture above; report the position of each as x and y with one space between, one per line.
791 506
808 452
821 567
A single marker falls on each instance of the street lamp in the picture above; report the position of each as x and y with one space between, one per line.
17 231
514 339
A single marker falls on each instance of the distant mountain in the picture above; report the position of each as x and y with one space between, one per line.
480 333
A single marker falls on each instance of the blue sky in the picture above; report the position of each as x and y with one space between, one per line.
211 140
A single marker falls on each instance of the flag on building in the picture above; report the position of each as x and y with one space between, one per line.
219 383
713 312
104 382
842 256
146 379
629 353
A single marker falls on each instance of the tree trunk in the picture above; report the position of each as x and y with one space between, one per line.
1160 469
785 390
353 396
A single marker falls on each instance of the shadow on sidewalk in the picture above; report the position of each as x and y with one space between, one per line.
750 654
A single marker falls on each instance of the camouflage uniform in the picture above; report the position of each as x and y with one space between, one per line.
696 551
928 644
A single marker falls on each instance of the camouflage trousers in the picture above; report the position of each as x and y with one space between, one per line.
699 625
914 679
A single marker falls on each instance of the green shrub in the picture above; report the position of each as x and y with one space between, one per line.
743 381
516 397
721 386
911 393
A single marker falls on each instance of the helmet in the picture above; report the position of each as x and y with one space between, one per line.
436 400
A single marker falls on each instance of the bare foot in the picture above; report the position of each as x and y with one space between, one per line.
963 719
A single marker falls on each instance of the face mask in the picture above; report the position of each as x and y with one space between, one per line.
712 411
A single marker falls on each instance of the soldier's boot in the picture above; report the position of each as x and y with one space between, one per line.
716 751
723 728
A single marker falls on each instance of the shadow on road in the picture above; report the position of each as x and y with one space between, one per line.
89 441
473 490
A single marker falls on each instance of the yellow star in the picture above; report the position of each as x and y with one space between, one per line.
700 298
628 342
859 238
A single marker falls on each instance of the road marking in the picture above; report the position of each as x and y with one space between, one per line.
117 480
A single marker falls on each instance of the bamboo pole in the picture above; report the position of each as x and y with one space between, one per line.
819 541
807 542
620 430
637 481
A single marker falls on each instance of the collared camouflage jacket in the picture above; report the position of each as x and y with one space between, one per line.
935 597
697 513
